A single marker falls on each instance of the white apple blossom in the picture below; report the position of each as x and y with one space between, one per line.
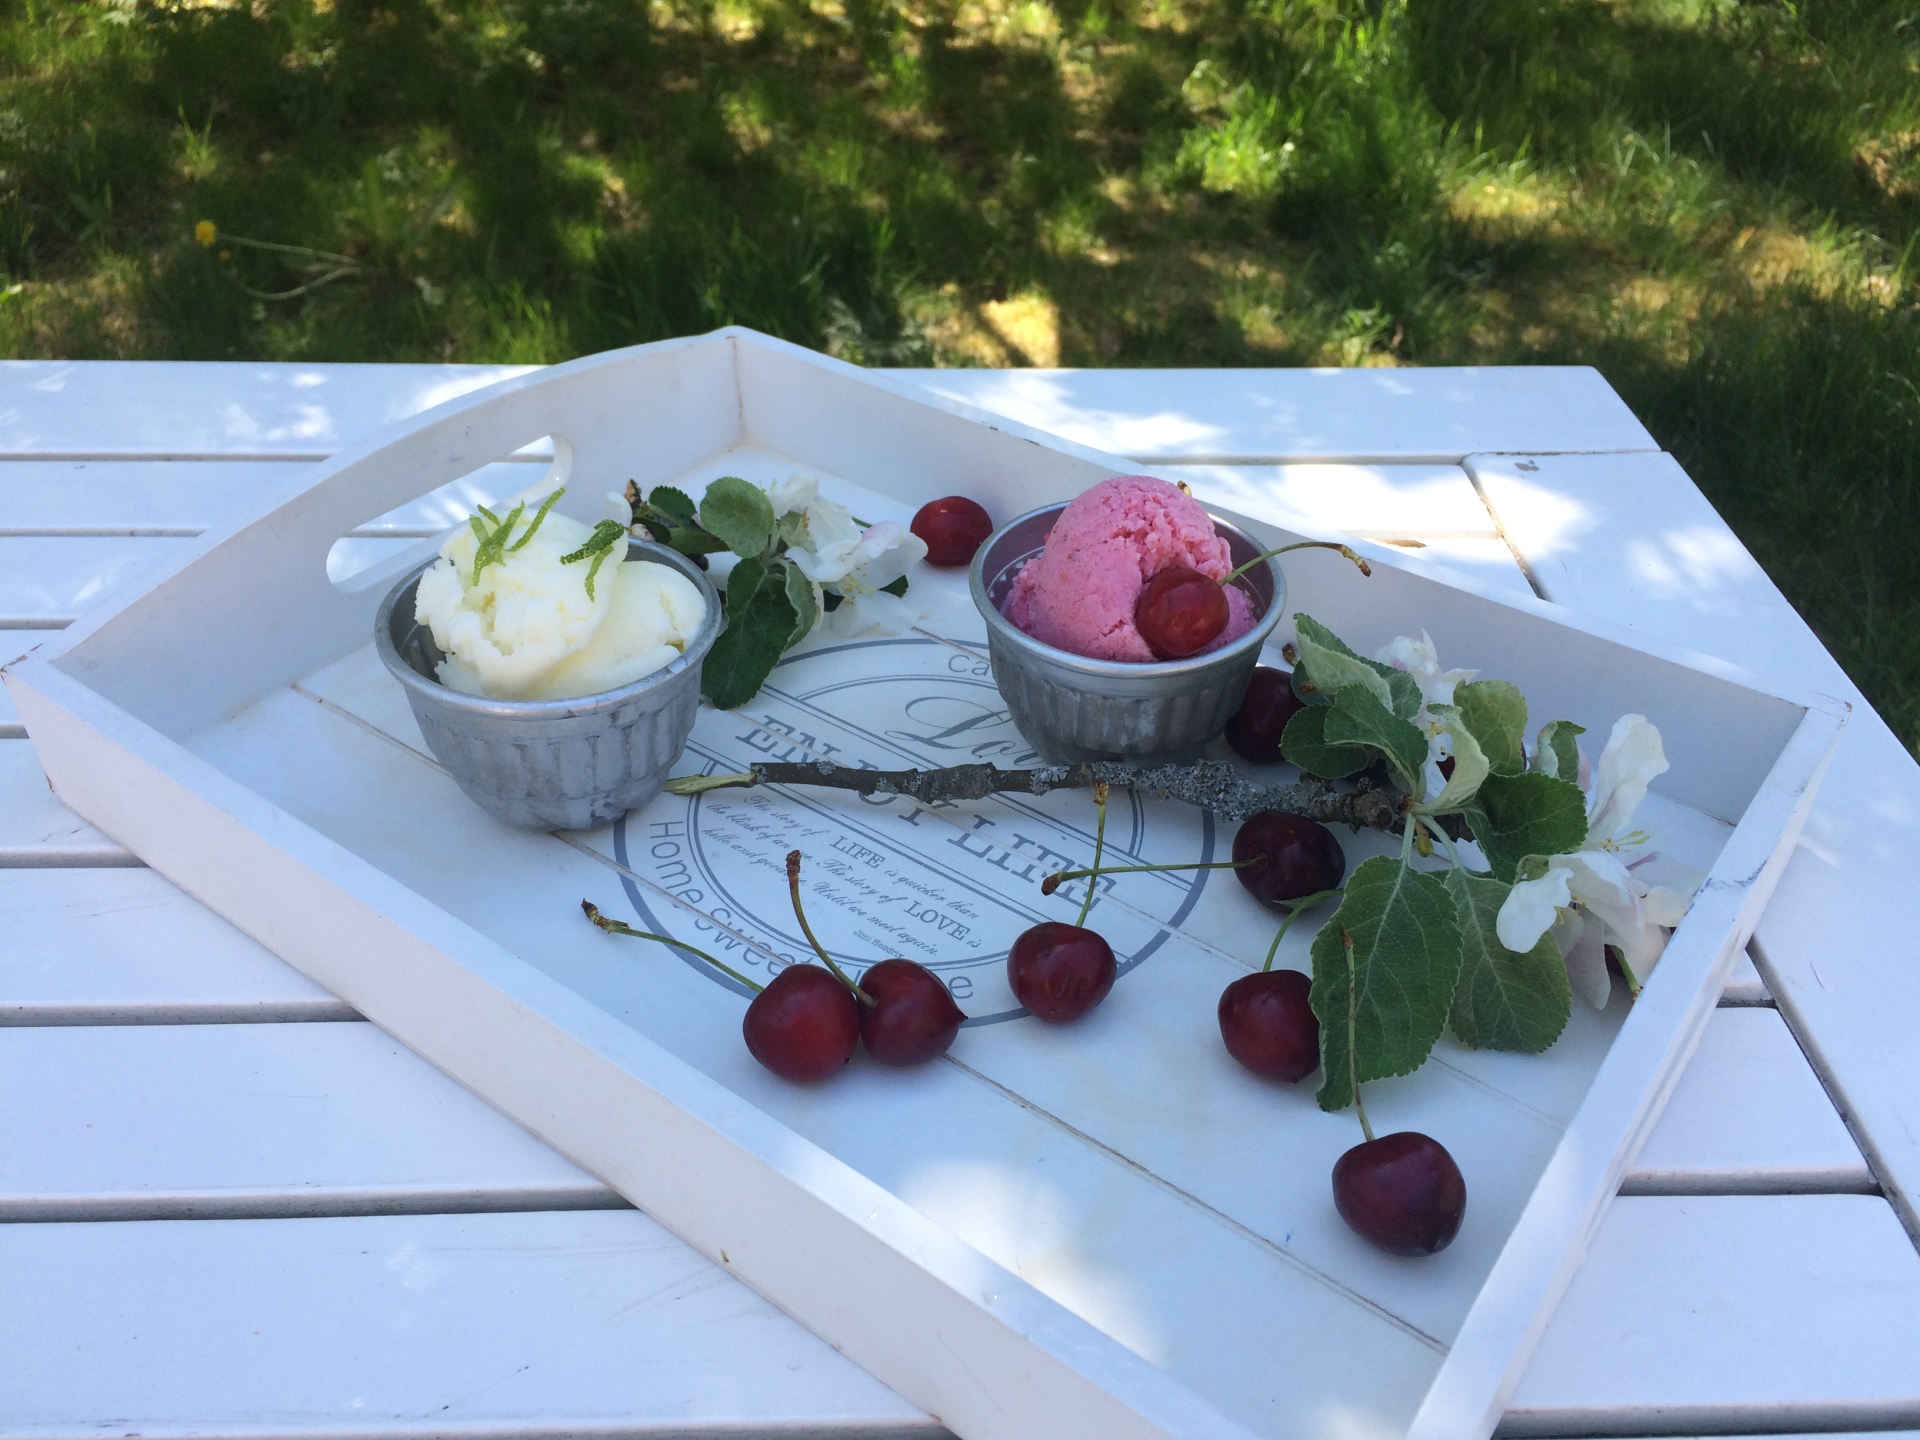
1420 660
827 545
1590 897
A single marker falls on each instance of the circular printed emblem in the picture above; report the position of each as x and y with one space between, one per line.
949 886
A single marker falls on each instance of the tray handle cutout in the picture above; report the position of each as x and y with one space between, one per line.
371 554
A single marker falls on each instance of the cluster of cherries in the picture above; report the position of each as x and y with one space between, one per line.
1403 1192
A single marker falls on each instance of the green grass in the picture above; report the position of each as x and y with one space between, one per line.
1715 203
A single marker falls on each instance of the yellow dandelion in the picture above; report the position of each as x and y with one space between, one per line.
206 232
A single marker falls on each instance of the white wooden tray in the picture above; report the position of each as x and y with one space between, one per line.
1106 1230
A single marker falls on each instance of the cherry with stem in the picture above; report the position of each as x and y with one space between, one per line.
802 1025
906 1014
1266 1018
1402 1192
1180 611
1058 971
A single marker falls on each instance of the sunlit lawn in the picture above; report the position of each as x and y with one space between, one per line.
1714 203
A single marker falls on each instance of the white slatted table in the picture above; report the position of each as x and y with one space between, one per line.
229 1207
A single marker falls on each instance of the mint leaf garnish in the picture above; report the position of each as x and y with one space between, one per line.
1496 713
760 621
1404 965
1506 999
606 535
739 513
1515 816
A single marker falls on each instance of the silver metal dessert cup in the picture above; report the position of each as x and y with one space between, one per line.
552 764
1071 708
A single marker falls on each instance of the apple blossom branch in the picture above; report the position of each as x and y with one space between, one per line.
1209 784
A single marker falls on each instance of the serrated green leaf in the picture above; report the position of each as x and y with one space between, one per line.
1470 767
1304 742
799 595
1338 662
1496 713
1381 1010
739 513
1506 999
1515 816
1358 718
760 620
1557 751
675 505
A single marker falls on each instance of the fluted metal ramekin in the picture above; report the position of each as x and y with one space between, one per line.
1071 708
552 764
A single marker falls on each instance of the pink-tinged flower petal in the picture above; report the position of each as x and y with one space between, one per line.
1583 949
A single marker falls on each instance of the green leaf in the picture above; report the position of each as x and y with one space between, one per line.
1382 1008
739 513
1557 751
800 596
1331 666
1496 713
675 505
1304 742
1470 767
1506 1000
1358 718
691 540
1515 816
760 621
896 586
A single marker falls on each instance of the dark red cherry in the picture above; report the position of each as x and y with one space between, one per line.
953 529
1060 971
1180 612
1269 1027
1301 857
1254 731
804 1025
1403 1192
912 1018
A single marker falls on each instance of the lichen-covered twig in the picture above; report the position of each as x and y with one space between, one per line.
1209 784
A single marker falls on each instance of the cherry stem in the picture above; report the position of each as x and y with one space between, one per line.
1060 877
1306 902
1099 846
793 888
1353 1060
1346 550
620 927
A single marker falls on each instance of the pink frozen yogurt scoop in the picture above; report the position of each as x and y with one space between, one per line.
1079 592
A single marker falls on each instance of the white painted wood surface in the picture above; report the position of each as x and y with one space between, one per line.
232 410
175 1122
89 946
1781 1311
1229 416
1749 1116
593 1323
35 828
124 409
1840 948
146 989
